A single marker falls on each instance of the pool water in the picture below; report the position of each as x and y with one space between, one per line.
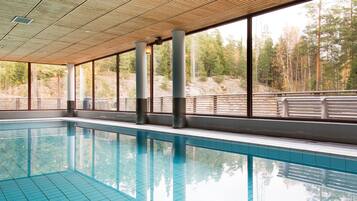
60 160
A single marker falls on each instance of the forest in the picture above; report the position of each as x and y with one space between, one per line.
322 57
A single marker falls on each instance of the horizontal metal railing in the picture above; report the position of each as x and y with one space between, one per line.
21 103
280 104
310 104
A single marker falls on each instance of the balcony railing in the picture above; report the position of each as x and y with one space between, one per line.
21 103
321 104
13 103
314 104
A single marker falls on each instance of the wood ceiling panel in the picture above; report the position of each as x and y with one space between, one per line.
49 49
76 36
89 11
75 48
79 30
54 32
131 25
27 31
98 38
174 8
78 18
106 21
16 7
8 45
29 46
5 25
53 10
122 14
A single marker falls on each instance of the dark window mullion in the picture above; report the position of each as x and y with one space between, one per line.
29 77
93 87
118 81
249 68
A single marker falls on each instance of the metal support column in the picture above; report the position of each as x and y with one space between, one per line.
178 79
141 82
70 90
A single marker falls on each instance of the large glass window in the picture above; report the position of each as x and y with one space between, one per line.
162 99
13 86
84 86
48 86
307 68
216 63
127 82
105 83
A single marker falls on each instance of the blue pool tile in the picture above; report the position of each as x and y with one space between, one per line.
338 163
323 161
240 148
351 166
296 157
308 159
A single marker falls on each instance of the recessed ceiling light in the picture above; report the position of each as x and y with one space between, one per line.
21 20
87 31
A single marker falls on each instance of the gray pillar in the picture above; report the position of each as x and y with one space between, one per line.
70 90
141 166
141 82
179 169
178 79
71 136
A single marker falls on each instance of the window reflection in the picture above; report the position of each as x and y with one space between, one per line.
105 157
48 150
84 150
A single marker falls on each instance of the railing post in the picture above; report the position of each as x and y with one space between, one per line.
285 105
194 104
58 103
324 109
17 104
214 104
38 103
161 104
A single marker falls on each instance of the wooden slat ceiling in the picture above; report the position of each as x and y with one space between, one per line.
74 31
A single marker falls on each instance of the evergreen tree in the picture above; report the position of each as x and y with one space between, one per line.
265 62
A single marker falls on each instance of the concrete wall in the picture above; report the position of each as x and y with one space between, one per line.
319 131
32 114
310 130
117 116
160 119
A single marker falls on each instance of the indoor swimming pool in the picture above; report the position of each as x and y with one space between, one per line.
62 160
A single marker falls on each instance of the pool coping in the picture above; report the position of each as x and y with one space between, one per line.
345 150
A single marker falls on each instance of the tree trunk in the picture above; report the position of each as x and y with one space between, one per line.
318 62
